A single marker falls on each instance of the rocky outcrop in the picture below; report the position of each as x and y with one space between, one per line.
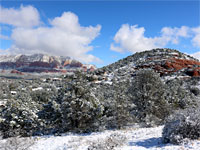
173 65
194 72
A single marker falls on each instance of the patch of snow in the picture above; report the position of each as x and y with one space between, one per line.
2 103
37 89
198 85
97 82
174 53
108 82
13 92
137 139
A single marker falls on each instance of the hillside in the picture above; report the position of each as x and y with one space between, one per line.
167 62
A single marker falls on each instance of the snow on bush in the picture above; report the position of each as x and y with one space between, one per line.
111 142
181 126
81 110
16 143
19 117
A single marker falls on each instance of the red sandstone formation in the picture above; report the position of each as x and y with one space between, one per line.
16 72
67 62
173 65
63 71
178 64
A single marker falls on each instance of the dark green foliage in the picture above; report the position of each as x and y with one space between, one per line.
50 117
176 95
118 106
81 111
40 96
83 102
147 92
19 117
195 91
12 86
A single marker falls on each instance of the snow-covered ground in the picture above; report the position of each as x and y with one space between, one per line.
127 139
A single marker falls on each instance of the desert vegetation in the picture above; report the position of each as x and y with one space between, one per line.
84 102
78 103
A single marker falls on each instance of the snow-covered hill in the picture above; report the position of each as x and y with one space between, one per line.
167 62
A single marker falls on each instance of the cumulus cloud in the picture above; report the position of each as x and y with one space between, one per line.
65 37
196 39
173 34
133 39
25 16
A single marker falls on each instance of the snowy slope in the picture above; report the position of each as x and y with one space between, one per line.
132 139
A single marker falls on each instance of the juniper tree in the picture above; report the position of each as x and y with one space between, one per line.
147 93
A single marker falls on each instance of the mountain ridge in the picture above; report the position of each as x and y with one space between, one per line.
41 63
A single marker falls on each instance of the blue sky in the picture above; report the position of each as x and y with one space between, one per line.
106 30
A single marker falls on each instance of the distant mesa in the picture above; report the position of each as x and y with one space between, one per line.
41 63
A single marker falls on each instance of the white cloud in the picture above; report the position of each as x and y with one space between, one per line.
196 39
65 37
132 38
173 34
25 16
196 55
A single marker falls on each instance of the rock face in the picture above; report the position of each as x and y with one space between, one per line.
40 63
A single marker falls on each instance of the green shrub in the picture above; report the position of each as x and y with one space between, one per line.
81 110
19 118
195 91
177 95
41 96
117 105
147 93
